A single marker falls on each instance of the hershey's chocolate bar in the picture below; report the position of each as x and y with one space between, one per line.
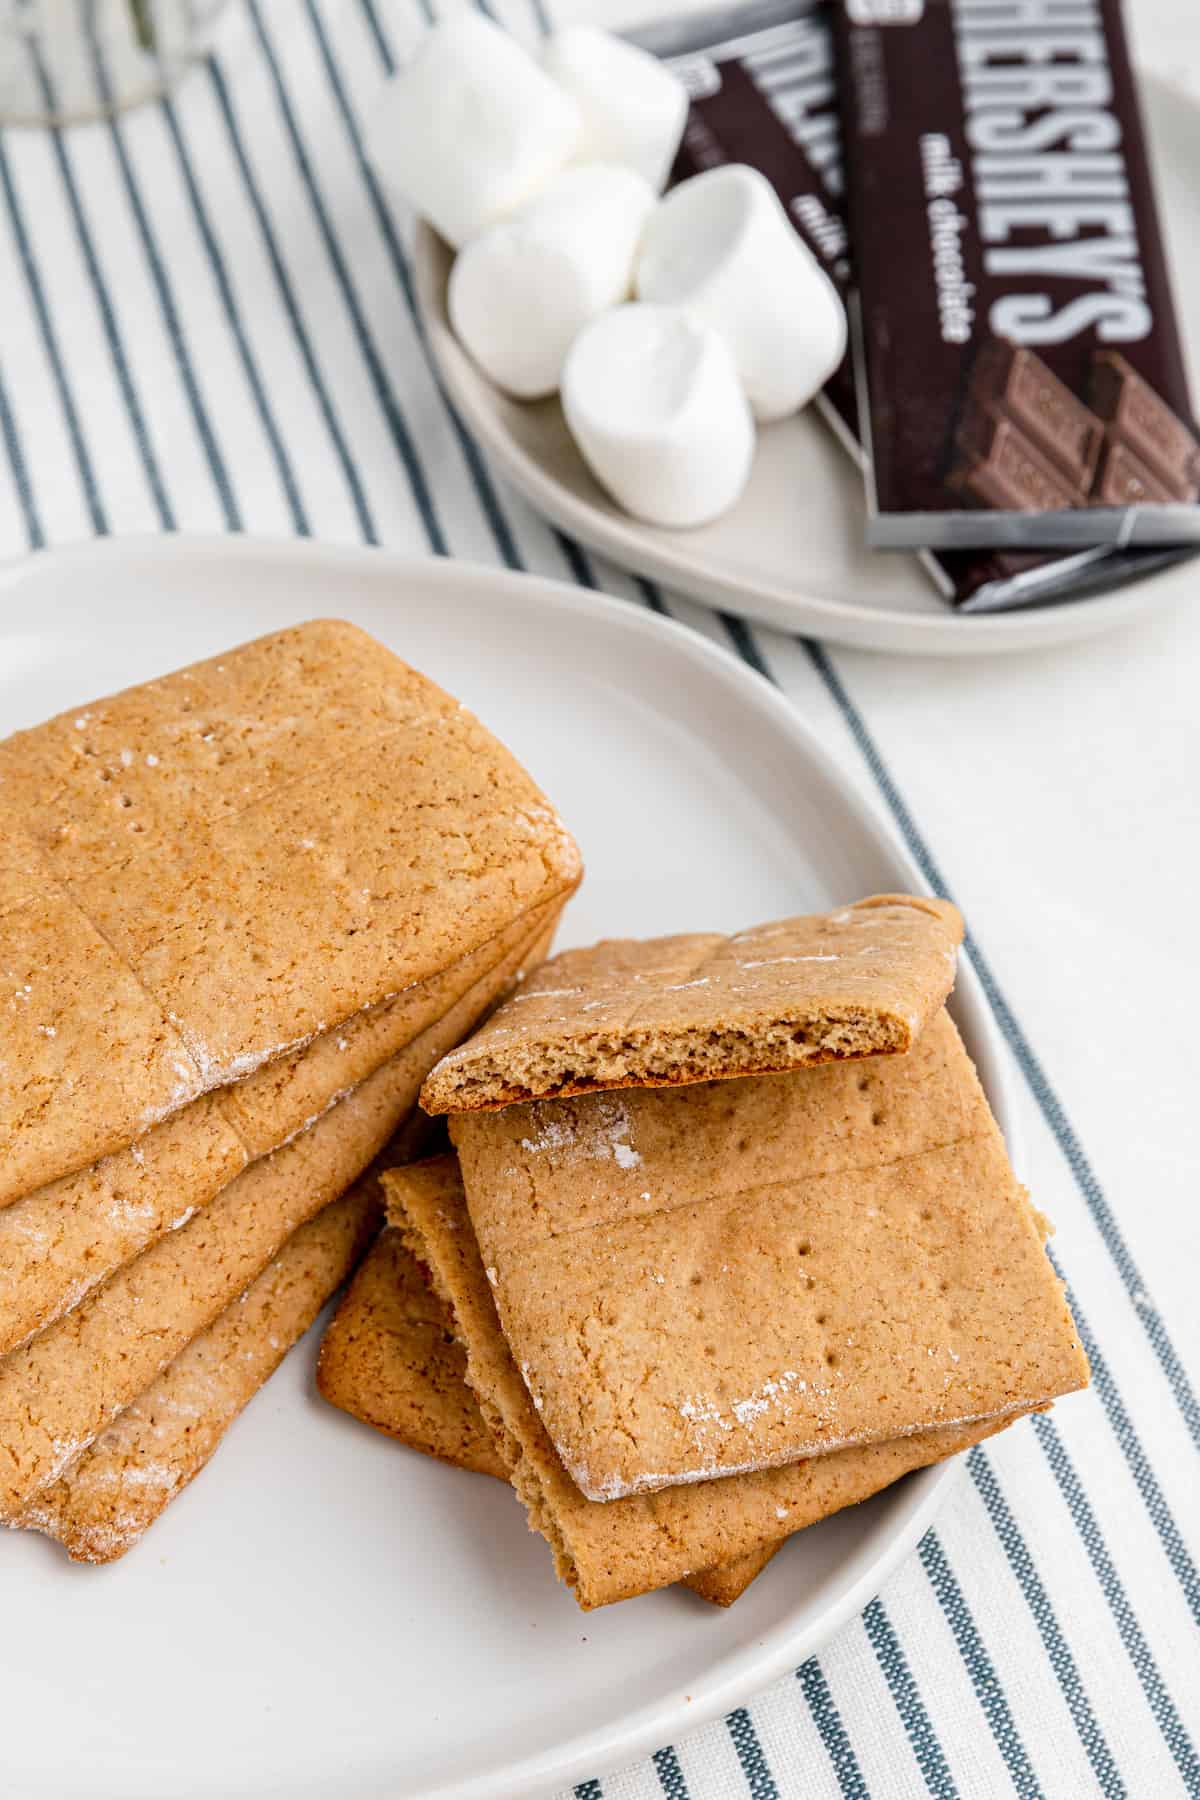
1001 208
762 81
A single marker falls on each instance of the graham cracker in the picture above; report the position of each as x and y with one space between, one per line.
860 981
390 1358
208 871
62 1241
614 1550
728 1277
58 1391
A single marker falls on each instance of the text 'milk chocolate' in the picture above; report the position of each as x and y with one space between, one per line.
1021 372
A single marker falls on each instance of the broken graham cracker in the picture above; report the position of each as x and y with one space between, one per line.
62 1241
614 1550
730 1276
727 1583
205 872
58 1391
390 1358
860 981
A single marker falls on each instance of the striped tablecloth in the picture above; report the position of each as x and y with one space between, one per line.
207 323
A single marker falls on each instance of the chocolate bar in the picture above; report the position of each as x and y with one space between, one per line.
1000 203
762 81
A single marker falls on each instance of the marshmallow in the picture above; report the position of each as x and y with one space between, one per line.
654 403
472 127
522 291
634 110
722 246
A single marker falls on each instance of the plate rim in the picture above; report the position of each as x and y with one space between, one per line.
838 621
747 1670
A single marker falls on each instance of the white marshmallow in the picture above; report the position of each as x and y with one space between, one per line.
522 291
722 246
472 127
634 109
655 405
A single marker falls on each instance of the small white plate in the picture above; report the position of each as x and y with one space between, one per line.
325 1613
791 552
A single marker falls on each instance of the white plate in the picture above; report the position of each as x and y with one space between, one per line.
791 552
325 1613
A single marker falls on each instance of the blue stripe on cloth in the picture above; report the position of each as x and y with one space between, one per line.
745 644
10 432
383 48
1159 1699
1050 1105
759 1779
287 475
1145 1480
33 281
1160 1514
670 1775
576 560
164 292
472 455
108 317
650 594
984 1679
589 1790
904 1691
385 393
1057 1649
287 295
828 1722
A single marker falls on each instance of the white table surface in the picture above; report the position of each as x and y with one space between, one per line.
240 355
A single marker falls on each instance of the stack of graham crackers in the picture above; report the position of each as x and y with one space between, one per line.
246 908
730 1242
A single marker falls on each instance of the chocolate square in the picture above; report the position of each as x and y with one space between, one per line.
1141 418
999 466
1123 479
1017 382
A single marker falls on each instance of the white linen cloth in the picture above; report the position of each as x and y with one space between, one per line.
206 323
